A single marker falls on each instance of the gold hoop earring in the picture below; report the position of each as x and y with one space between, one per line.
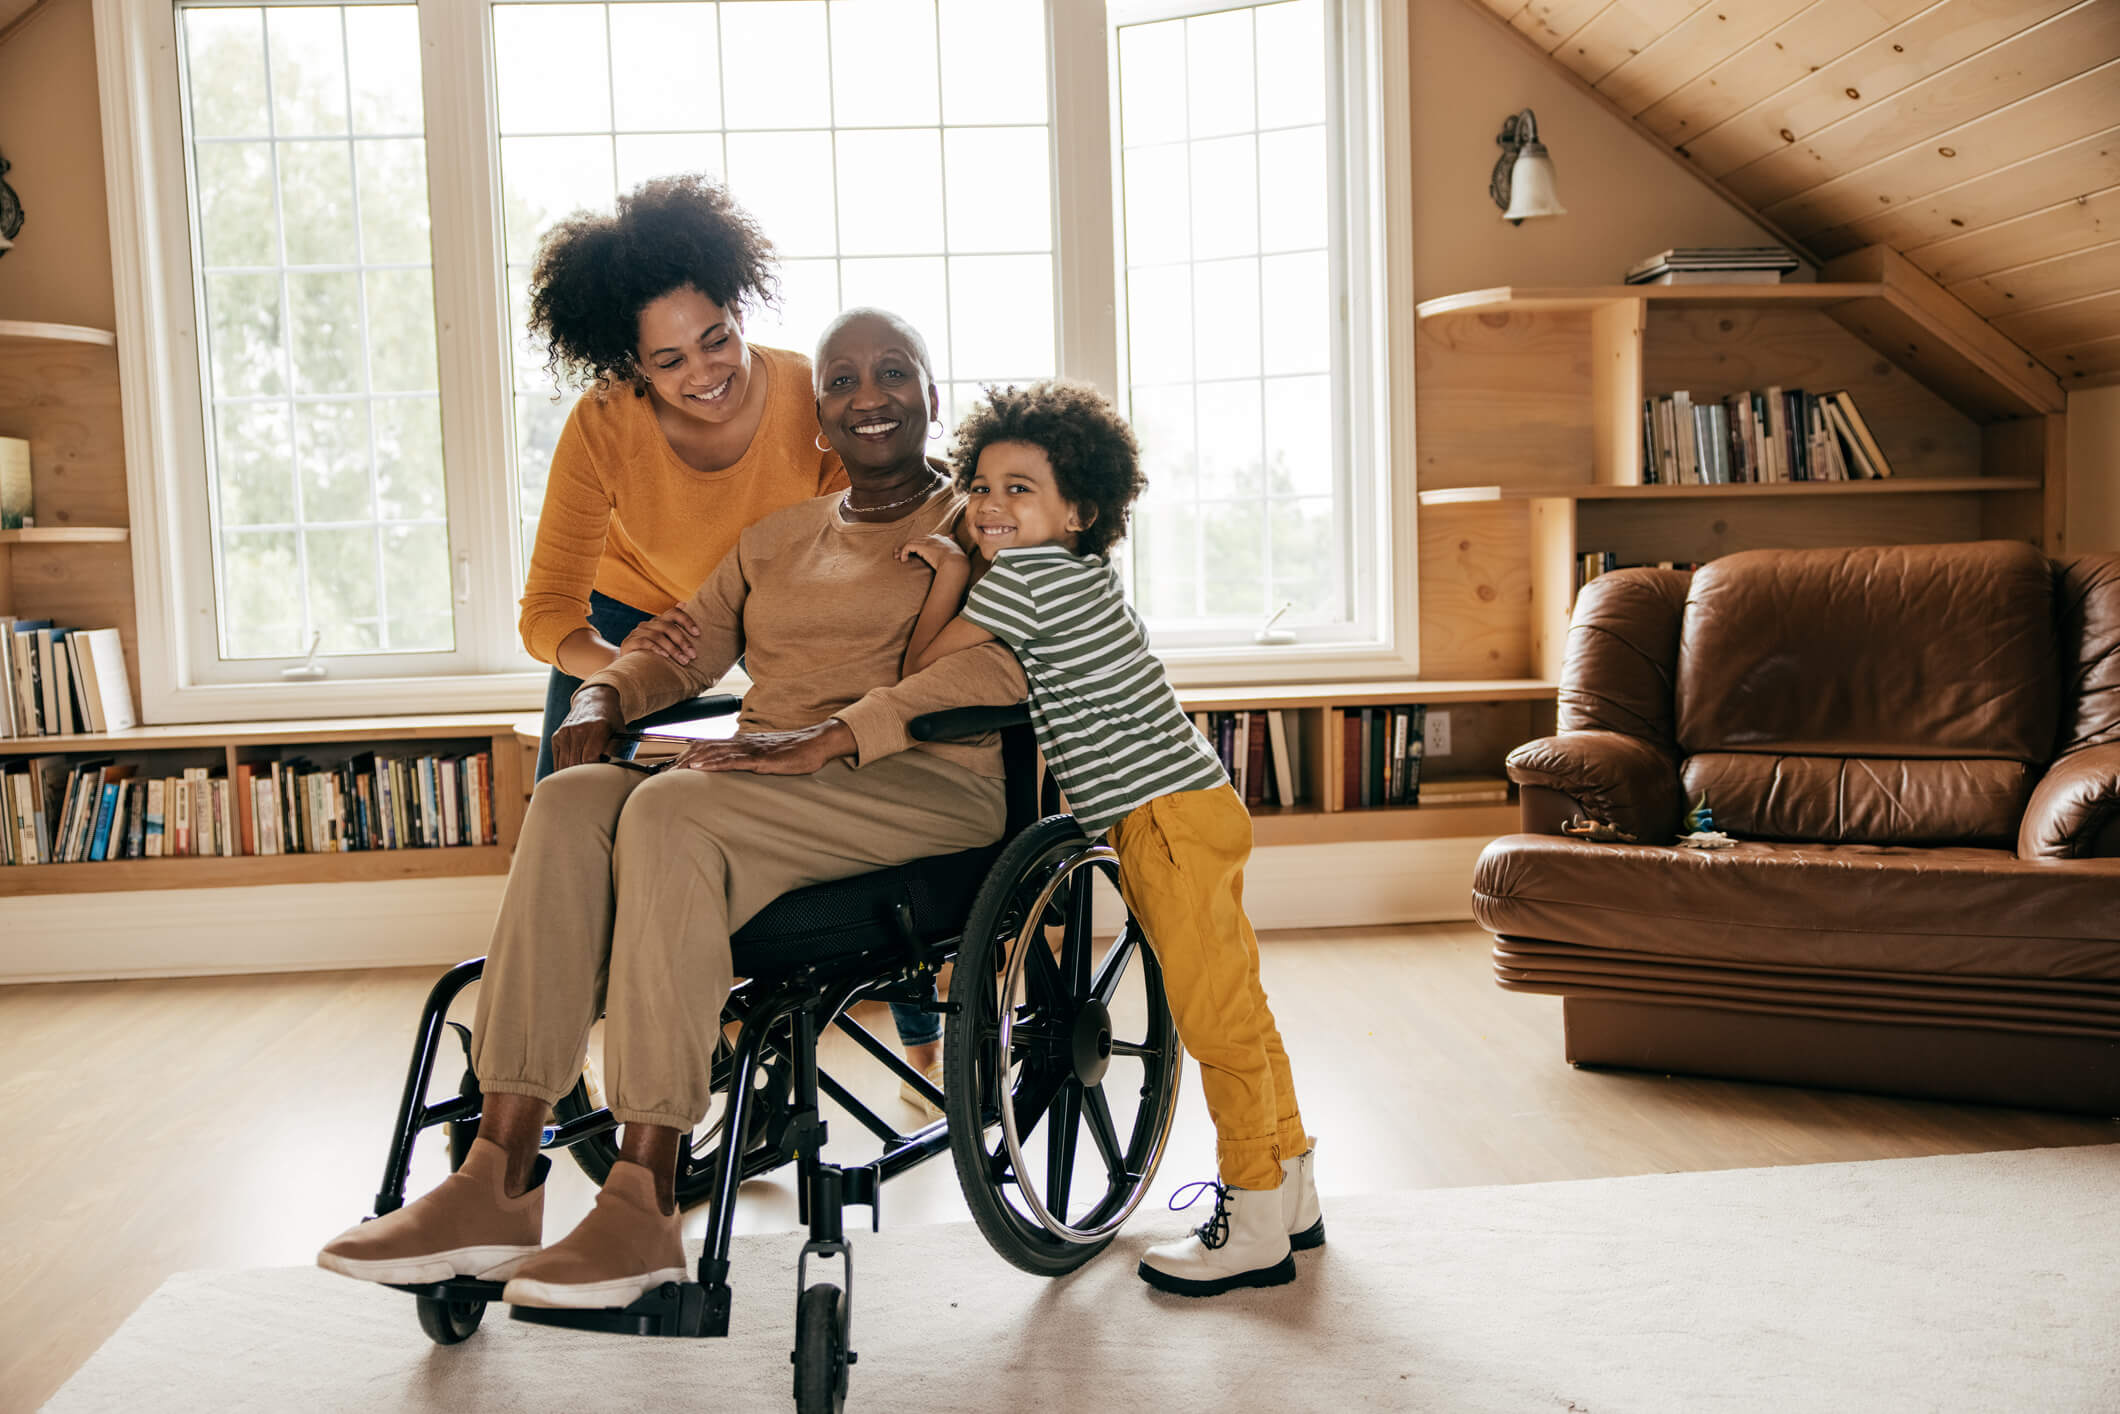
820 444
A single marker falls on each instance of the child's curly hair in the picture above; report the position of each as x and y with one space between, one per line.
594 273
1096 462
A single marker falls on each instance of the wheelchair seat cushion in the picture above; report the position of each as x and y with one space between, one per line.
846 918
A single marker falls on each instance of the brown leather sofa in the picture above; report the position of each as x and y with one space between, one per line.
1918 750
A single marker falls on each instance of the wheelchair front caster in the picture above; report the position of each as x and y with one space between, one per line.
820 1351
448 1322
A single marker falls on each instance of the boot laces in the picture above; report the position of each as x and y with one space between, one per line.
1215 1231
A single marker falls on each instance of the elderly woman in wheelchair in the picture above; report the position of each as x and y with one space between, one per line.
629 889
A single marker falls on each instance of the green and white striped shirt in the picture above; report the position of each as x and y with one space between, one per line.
1111 729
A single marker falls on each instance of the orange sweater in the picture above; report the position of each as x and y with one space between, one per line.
625 516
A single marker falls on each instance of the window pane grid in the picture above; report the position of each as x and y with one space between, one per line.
1229 263
974 275
303 417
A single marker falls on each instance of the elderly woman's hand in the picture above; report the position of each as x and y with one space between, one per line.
937 550
582 737
670 633
797 753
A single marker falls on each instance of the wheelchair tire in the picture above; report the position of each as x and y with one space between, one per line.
449 1322
820 1351
1060 1047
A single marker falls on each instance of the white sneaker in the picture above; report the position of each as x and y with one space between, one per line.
1299 1201
1244 1243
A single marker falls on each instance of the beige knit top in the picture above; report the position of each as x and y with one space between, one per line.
821 609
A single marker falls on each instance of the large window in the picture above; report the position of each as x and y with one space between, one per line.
351 431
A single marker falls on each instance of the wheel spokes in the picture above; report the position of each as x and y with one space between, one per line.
1112 971
1066 1112
1139 1050
1098 1112
1075 940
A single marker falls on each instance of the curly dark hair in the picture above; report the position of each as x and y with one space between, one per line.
594 273
1096 462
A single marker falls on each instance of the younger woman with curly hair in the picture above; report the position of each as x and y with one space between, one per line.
1050 472
686 432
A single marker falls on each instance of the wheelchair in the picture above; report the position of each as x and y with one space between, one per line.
1031 1064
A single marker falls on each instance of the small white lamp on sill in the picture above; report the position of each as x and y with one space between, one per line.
1522 184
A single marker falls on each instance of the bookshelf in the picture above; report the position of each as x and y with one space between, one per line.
167 750
1529 401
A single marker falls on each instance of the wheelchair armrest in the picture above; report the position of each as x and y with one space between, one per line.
714 704
963 723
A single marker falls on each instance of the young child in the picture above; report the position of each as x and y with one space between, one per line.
1050 472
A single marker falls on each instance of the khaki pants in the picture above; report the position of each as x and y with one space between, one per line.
625 890
1181 870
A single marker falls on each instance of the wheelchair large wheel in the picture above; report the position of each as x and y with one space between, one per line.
772 1094
1039 1054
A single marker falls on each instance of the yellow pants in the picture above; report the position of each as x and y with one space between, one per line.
1181 870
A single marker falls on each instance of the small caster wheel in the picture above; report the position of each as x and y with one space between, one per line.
820 1351
449 1322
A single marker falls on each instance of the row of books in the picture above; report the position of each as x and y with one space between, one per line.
1775 434
60 811
1381 751
1258 751
1592 563
60 681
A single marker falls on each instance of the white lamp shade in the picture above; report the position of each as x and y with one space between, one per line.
1531 189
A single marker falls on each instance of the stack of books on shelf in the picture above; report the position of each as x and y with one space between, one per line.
1260 752
1714 265
1775 434
1592 563
1381 749
60 810
61 681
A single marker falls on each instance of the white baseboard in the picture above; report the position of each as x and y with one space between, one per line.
438 922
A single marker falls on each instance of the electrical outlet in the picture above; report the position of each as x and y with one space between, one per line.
1435 740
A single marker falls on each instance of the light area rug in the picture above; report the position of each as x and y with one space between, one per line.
1970 1282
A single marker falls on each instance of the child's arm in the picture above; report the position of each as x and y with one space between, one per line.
939 630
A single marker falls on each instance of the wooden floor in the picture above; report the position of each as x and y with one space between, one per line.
156 1127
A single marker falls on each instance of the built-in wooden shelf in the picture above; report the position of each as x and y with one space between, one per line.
352 867
61 333
1280 825
66 535
289 733
1504 298
1365 694
1593 491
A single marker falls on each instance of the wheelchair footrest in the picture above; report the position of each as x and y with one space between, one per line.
673 1308
455 1289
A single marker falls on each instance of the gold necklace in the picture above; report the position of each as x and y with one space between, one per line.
847 505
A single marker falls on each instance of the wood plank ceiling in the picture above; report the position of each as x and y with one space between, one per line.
1978 138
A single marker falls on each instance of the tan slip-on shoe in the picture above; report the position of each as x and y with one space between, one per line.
625 1247
467 1227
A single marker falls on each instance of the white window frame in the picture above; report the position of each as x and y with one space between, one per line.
159 351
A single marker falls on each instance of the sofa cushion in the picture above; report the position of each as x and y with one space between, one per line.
1946 909
1622 656
1861 799
2087 610
1941 651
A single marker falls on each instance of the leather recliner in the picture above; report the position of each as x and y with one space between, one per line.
1917 749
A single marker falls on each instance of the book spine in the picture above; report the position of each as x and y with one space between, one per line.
106 807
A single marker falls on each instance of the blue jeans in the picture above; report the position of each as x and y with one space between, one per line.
614 621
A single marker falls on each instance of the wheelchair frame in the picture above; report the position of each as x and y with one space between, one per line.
779 1019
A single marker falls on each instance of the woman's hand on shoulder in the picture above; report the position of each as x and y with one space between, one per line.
671 633
803 752
591 719
936 550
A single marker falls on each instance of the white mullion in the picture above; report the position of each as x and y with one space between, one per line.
360 251
1258 258
942 167
294 436
831 118
610 111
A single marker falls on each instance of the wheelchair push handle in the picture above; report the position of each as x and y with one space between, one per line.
714 704
964 723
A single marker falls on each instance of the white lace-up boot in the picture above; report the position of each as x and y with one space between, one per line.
1244 1243
1299 1201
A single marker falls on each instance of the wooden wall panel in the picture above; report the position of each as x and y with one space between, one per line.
82 586
2086 365
1475 591
1619 32
1701 530
1696 44
1502 399
2093 317
63 396
2043 282
2072 225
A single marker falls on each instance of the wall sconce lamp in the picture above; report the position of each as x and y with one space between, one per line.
1522 184
10 211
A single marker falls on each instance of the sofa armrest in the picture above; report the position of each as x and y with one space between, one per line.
1622 780
2075 808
